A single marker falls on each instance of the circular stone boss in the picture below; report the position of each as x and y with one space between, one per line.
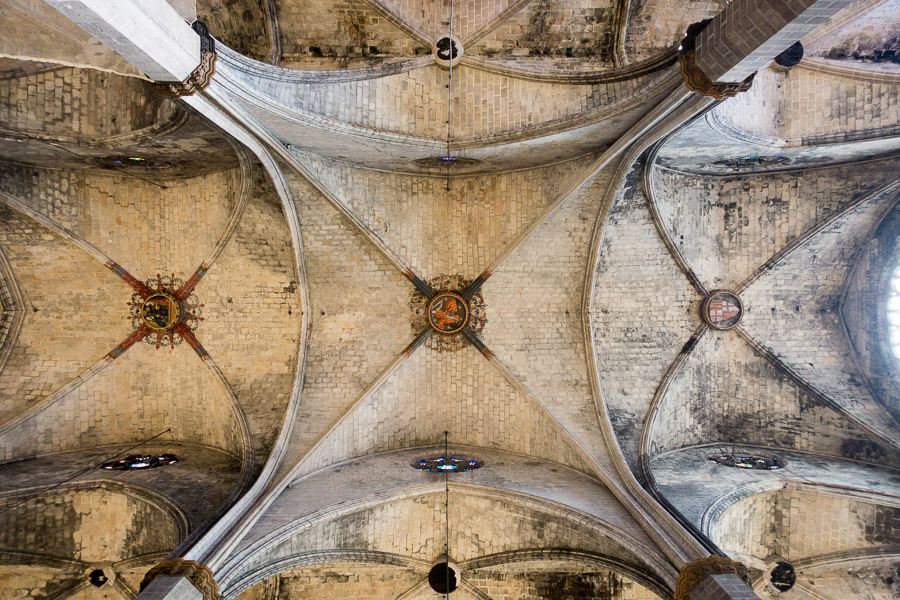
722 309
448 312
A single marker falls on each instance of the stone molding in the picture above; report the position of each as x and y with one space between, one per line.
200 77
695 572
200 576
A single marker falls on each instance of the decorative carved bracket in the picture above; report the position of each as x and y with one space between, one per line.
199 575
199 79
694 77
695 572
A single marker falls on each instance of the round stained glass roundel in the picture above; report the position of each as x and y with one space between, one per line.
893 313
447 464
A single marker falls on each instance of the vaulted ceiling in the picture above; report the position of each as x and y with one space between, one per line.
289 201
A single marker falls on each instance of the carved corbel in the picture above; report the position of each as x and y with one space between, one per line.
200 576
199 78
695 572
694 77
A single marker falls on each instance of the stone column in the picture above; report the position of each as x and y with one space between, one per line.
747 34
149 34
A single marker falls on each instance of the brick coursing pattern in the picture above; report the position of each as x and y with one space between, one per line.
657 25
253 312
798 523
348 280
414 527
75 312
636 340
535 323
435 231
793 310
727 393
581 30
864 312
461 393
140 394
728 226
813 106
92 525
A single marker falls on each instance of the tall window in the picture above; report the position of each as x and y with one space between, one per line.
893 312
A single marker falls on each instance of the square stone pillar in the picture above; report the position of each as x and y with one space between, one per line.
149 34
723 586
167 587
747 34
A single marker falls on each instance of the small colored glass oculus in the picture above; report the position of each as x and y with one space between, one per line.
141 461
447 464
746 461
446 161
139 162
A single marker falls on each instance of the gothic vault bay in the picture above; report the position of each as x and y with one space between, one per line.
469 299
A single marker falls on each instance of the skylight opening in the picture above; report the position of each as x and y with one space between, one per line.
893 312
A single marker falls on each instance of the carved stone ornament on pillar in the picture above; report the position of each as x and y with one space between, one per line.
694 77
693 573
199 79
199 575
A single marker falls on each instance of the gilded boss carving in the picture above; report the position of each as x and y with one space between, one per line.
695 572
199 575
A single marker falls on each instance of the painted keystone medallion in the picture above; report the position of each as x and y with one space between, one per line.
722 309
160 311
448 312
163 312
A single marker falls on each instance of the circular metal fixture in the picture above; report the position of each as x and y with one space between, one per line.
783 576
447 51
722 309
447 464
160 311
791 56
442 578
448 312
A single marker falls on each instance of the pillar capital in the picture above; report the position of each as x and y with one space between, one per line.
692 574
199 77
200 576
695 78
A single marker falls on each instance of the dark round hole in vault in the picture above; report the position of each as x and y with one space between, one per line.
98 578
440 576
791 56
446 48
783 576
